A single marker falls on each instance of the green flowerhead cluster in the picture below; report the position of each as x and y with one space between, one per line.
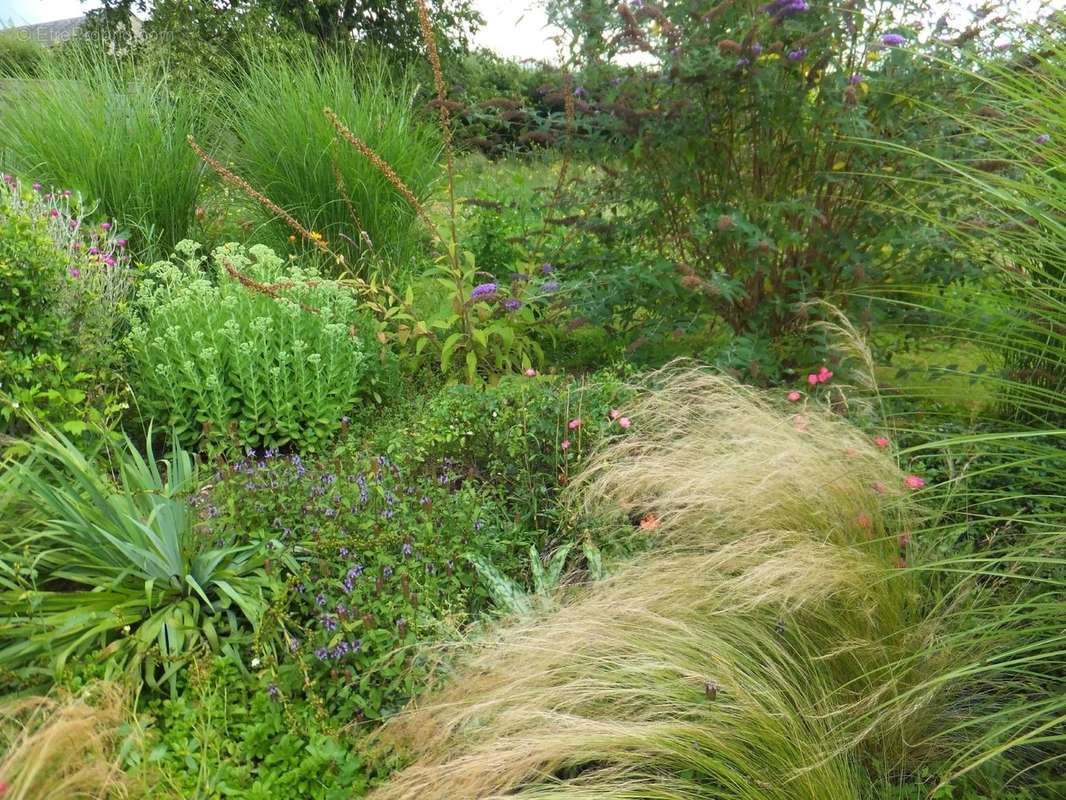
228 366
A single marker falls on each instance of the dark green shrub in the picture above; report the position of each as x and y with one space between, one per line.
515 437
737 174
225 365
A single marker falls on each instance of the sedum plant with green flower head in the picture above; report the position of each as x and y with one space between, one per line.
106 561
244 350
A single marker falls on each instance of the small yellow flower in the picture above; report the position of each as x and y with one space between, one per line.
316 236
839 165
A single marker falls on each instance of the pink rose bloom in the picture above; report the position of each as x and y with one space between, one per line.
881 441
574 423
914 482
824 375
530 373
624 422
614 413
565 444
812 379
794 396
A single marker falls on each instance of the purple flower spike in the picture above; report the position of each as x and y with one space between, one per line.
511 304
893 40
483 290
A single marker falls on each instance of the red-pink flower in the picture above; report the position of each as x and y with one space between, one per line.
794 396
881 441
914 482
531 373
812 379
624 422
574 423
824 374
614 413
565 444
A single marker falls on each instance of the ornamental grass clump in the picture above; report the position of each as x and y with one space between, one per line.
741 659
243 350
63 747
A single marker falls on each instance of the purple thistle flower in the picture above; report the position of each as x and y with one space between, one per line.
511 304
105 226
893 40
797 55
546 268
1043 138
550 286
75 272
855 79
483 290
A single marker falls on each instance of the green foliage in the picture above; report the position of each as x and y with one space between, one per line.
230 733
785 207
113 568
62 293
287 149
515 436
382 566
20 55
226 365
387 24
91 124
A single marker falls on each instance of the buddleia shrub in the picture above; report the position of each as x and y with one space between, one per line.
228 366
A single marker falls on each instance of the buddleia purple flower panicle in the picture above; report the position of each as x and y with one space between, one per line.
483 290
511 304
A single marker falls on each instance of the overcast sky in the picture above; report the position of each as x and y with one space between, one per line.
511 28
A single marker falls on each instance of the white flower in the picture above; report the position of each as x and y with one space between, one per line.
126 629
255 663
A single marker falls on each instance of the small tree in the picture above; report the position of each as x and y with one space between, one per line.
738 159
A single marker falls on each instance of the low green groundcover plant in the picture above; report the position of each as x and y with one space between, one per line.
228 366
381 560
